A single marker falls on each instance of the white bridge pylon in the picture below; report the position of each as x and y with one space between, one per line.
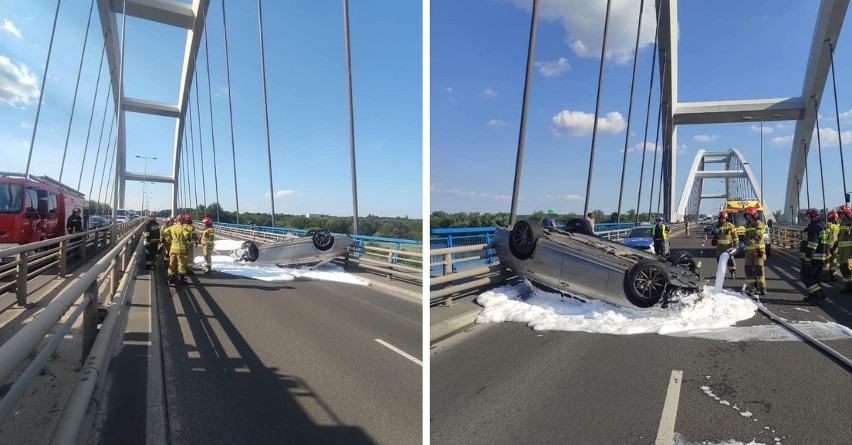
740 182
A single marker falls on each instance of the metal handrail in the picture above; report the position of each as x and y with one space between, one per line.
17 349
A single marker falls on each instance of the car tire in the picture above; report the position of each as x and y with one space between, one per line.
683 259
310 233
323 240
250 252
523 238
646 283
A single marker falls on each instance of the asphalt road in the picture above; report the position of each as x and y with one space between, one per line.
505 383
247 361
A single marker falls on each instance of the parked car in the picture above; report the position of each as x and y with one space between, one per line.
97 221
640 238
575 262
315 248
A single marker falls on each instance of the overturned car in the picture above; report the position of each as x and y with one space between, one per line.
575 262
317 247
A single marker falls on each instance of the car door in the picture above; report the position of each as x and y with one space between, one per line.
584 274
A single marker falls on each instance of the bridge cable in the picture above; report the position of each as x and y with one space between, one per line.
597 111
104 170
837 117
92 115
346 48
212 132
819 152
519 158
657 138
187 201
119 112
629 112
108 191
201 146
192 144
266 110
103 124
807 176
43 87
76 89
648 116
97 156
230 109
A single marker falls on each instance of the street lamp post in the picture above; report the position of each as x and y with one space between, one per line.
144 179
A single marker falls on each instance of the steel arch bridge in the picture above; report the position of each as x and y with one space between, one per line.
801 107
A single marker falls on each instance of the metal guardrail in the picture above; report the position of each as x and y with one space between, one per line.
17 350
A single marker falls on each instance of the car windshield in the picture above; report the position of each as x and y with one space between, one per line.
10 198
639 232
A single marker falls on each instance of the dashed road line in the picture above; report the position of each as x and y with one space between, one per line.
399 351
665 434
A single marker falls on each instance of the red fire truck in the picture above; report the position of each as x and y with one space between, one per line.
35 209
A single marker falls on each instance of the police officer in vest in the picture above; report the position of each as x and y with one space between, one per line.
659 233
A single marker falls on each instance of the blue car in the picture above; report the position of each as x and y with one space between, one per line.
640 238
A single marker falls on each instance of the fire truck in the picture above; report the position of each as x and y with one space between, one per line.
36 209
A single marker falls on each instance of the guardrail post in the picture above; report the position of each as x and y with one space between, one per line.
84 248
21 290
126 254
448 264
90 320
63 258
114 276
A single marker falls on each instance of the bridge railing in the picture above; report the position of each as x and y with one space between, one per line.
786 236
21 264
92 303
394 257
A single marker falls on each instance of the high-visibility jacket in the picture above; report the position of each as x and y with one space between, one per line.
662 234
191 235
844 238
207 237
833 229
176 237
814 240
754 235
725 233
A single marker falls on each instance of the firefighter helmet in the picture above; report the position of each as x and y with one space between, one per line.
207 221
832 214
813 214
187 218
723 214
170 220
75 211
751 211
152 215
845 209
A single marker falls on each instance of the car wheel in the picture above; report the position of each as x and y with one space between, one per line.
523 238
250 252
684 260
323 240
645 283
310 233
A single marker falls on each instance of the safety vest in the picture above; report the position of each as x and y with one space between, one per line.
727 232
754 235
177 237
845 234
833 229
207 237
191 236
665 231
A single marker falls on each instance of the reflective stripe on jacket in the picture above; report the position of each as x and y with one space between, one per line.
665 232
207 237
727 233
754 235
177 238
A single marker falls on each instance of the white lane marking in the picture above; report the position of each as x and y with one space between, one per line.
665 435
398 351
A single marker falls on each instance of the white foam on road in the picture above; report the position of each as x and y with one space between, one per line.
224 262
706 314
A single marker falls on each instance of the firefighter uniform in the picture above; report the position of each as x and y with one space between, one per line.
191 242
165 239
755 257
74 223
844 249
830 270
152 241
177 252
812 253
686 227
725 235
207 247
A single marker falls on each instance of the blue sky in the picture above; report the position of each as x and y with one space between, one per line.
729 50
306 84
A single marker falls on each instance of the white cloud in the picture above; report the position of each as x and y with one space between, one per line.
564 197
766 129
846 117
26 125
553 68
578 123
18 86
705 137
488 93
650 147
828 137
449 89
496 123
473 194
281 193
11 29
782 140
583 21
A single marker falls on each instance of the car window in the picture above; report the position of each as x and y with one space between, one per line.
10 198
639 232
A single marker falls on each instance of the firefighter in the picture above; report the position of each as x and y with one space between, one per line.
724 235
755 256
844 246
164 234
191 242
829 271
207 243
75 222
659 233
813 252
176 239
686 226
152 240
